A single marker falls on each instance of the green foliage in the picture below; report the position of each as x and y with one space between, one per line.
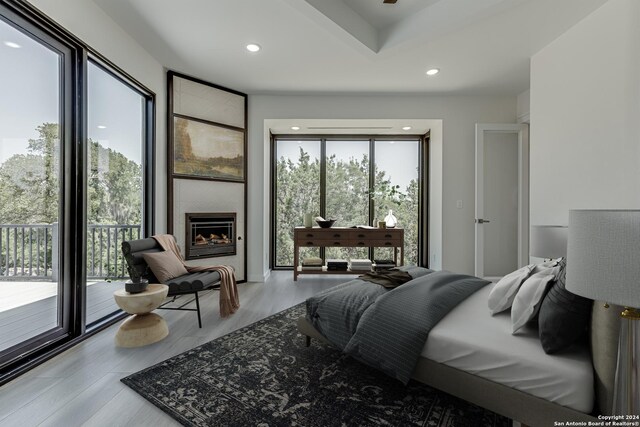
348 197
30 184
30 190
114 187
298 192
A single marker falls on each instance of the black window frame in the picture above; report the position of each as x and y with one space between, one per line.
73 184
423 181
148 163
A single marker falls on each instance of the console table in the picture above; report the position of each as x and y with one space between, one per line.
345 237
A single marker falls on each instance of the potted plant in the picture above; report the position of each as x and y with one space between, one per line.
387 196
137 283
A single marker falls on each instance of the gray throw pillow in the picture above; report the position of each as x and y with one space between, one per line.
564 317
165 265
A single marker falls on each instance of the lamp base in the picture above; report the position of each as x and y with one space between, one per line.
626 397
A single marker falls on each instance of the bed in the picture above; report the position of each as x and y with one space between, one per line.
474 356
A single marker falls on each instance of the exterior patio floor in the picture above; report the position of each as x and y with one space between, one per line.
30 308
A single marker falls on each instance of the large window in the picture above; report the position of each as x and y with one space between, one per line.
115 190
30 200
76 171
356 180
298 167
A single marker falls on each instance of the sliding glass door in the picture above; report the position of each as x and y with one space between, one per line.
32 291
115 190
76 179
355 180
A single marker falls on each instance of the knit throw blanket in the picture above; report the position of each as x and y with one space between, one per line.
229 301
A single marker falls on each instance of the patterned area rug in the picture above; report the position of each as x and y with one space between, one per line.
263 375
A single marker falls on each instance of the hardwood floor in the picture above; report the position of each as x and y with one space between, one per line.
82 385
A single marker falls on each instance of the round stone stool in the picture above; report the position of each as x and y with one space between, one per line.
143 327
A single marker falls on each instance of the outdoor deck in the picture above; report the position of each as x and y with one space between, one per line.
30 308
29 261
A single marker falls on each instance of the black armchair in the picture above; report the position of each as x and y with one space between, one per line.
191 283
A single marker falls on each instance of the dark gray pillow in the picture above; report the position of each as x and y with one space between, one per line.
564 317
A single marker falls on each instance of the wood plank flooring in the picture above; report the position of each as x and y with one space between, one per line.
81 387
21 323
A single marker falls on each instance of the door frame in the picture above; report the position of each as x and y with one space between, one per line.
522 131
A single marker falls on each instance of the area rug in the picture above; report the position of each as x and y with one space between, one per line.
263 375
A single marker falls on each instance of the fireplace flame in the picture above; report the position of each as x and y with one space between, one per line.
213 239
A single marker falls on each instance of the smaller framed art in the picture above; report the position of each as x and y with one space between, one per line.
208 150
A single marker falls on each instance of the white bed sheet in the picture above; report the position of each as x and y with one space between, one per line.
470 339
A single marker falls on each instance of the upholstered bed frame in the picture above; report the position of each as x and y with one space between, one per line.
515 404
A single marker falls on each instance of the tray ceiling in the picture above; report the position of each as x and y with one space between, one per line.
355 46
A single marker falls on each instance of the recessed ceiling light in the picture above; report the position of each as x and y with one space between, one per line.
433 71
295 127
102 127
406 128
252 47
13 45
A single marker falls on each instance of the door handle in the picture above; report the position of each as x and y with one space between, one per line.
481 221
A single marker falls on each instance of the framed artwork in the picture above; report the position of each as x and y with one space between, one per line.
208 150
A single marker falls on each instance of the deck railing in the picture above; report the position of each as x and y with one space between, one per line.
31 251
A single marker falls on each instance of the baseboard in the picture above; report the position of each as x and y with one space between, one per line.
259 278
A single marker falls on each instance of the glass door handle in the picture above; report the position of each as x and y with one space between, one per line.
481 221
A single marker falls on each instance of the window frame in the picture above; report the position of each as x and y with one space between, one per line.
423 182
73 184
148 163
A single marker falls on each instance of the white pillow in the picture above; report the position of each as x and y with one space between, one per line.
503 293
529 298
545 265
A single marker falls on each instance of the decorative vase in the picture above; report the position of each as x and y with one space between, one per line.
391 220
308 220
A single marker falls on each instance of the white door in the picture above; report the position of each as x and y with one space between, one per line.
502 199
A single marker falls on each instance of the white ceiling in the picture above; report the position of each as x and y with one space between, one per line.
361 46
381 15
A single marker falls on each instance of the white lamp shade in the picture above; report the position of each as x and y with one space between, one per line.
548 241
603 255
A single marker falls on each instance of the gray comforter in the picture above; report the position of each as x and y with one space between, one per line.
387 329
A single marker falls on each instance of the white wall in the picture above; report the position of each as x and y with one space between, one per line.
523 108
585 116
459 115
89 23
435 166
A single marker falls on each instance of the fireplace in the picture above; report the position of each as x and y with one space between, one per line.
210 235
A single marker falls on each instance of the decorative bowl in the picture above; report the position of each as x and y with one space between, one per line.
327 223
136 287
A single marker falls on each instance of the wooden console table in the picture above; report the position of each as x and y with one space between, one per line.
345 237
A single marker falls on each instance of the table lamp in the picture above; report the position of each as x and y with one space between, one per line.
548 241
603 263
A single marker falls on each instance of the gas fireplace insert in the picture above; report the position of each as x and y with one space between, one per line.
210 234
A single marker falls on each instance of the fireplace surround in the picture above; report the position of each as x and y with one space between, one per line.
210 234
